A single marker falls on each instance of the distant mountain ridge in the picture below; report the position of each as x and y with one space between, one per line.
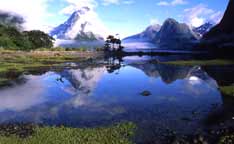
171 34
147 35
77 27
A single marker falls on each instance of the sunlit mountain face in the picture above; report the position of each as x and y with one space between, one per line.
78 27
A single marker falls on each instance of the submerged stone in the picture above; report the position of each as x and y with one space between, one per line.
146 93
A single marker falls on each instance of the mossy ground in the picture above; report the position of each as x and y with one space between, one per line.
227 90
229 139
118 134
201 62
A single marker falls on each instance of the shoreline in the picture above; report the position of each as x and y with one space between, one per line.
125 133
78 54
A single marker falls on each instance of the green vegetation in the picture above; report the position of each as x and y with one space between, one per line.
11 38
227 139
118 134
227 90
201 62
81 49
111 43
21 63
12 65
39 39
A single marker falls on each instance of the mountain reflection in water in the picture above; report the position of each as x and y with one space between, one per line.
182 97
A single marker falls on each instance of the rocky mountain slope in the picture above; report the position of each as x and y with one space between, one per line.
175 35
203 29
78 27
148 34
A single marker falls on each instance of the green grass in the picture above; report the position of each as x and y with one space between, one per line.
201 62
227 90
118 134
17 65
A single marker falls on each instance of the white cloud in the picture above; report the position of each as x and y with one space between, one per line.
108 2
154 21
96 24
172 3
117 2
128 2
34 12
163 3
74 5
200 14
216 17
178 2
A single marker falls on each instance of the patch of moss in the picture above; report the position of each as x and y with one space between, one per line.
3 81
201 62
20 64
227 140
118 134
227 90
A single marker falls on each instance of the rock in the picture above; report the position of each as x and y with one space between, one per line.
176 36
146 93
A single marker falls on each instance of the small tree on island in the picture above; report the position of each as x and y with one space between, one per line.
111 43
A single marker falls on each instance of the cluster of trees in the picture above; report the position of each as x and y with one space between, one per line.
12 38
113 44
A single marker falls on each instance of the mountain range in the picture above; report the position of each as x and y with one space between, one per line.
171 34
150 34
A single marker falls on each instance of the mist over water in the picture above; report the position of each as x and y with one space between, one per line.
77 44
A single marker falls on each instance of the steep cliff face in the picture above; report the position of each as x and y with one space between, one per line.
175 35
225 29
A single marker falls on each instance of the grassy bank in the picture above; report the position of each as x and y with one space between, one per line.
201 62
12 63
118 134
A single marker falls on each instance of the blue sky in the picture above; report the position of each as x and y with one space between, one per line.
126 17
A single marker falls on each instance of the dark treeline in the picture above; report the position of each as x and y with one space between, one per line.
113 44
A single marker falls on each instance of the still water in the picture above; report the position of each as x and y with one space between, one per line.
182 97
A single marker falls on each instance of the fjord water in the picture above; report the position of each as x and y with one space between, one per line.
106 92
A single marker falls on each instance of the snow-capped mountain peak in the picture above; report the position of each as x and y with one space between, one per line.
201 30
83 23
